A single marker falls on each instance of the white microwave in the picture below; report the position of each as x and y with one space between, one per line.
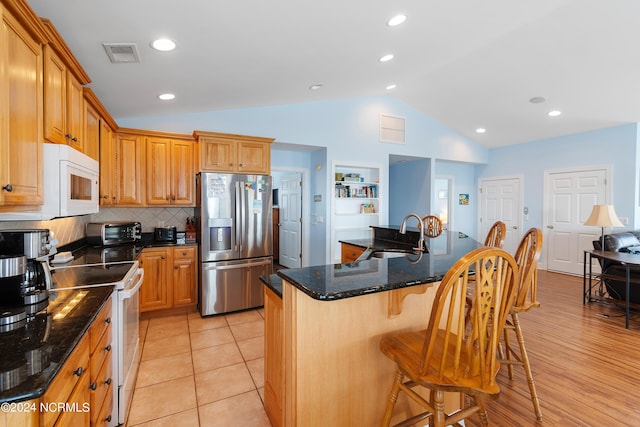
70 185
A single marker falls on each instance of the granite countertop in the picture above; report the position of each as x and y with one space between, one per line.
33 353
273 282
338 281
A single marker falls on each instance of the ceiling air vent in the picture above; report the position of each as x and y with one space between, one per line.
121 53
392 129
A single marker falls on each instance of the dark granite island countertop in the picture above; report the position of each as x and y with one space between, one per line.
337 281
33 353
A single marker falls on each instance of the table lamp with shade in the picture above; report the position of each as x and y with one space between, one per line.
603 216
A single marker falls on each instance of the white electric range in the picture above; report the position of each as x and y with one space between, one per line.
126 277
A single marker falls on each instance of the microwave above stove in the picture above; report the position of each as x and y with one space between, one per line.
113 233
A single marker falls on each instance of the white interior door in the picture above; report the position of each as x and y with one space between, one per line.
569 199
290 220
500 200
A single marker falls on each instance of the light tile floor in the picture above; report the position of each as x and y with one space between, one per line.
201 372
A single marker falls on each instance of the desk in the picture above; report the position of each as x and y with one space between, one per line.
626 260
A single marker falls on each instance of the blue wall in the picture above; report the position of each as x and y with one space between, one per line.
615 146
464 182
410 190
348 128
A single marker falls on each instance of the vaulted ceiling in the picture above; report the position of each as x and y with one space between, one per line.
466 63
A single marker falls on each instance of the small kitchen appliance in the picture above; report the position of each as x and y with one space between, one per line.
113 233
34 246
165 234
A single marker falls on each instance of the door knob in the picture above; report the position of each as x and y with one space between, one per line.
550 226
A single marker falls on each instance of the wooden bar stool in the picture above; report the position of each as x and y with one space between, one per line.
457 351
496 235
432 226
526 256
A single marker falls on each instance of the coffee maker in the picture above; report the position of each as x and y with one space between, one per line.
30 288
24 321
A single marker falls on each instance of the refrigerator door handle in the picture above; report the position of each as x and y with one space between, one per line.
243 213
239 219
240 265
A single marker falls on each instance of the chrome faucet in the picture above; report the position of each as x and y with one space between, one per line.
403 230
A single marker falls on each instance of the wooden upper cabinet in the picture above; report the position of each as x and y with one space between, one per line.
220 152
91 132
100 144
254 157
170 171
64 106
130 166
21 151
108 170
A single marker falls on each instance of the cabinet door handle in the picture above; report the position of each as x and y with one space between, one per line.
108 419
78 371
162 257
67 135
108 381
107 320
93 386
108 348
8 188
184 253
74 139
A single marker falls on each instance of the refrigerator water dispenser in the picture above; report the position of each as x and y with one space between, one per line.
220 238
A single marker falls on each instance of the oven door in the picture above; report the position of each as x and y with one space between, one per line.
128 343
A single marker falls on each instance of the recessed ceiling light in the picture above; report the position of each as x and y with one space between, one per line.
163 45
537 100
166 96
315 87
386 58
396 20
481 130
554 113
391 87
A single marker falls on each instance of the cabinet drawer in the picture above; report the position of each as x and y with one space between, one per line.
184 253
79 413
99 325
104 416
72 372
100 390
102 352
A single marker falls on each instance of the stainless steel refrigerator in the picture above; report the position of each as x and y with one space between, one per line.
233 220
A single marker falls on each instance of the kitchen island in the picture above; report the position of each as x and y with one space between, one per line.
323 327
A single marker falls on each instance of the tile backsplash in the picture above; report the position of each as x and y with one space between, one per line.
67 230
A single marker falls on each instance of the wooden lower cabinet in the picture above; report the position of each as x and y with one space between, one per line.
350 253
70 385
274 357
170 277
101 367
185 276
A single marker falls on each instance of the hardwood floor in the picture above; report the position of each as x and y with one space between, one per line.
586 365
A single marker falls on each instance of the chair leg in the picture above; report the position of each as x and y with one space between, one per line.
439 415
482 412
507 346
527 367
393 398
